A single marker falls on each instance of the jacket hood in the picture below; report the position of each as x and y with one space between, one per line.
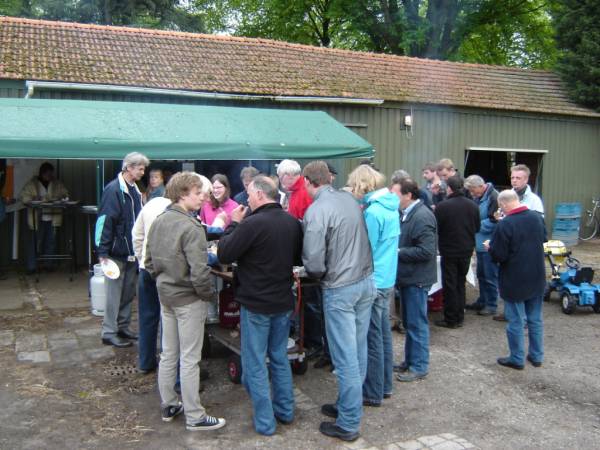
385 198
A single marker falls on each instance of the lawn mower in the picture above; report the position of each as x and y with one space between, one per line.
574 284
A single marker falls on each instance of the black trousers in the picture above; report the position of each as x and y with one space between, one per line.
454 274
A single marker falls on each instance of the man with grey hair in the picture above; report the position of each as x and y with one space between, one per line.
291 179
266 245
486 198
246 176
120 205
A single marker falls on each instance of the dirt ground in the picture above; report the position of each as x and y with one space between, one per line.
87 396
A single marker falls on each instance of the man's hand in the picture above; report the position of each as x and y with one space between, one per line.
486 245
238 213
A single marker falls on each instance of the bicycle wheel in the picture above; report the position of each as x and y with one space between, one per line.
589 226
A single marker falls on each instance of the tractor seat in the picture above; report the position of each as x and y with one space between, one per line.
583 275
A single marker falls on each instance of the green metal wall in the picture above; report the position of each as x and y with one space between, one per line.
570 170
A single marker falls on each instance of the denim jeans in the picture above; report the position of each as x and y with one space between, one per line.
380 363
347 315
414 319
487 276
516 314
182 338
267 335
46 243
148 318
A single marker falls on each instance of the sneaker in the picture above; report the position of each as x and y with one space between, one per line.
208 423
170 412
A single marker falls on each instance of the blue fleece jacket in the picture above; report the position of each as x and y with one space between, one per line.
383 227
488 204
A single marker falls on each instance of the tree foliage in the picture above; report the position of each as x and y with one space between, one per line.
578 39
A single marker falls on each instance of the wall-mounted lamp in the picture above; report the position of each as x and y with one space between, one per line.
408 121
408 124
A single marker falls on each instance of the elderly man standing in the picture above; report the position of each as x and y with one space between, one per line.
337 253
519 177
120 205
176 258
289 173
520 237
417 271
486 197
266 245
458 221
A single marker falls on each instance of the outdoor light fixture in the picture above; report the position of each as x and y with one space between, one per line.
408 124
408 121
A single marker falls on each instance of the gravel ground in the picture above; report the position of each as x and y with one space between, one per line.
82 395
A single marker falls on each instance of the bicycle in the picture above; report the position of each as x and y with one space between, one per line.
590 223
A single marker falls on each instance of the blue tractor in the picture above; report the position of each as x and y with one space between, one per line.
574 284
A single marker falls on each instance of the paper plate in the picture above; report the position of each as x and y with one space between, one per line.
110 269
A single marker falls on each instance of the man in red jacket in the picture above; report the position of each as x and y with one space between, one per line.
289 173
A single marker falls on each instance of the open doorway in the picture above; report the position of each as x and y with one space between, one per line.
493 165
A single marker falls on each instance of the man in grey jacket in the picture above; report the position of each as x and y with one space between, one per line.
416 273
176 257
337 252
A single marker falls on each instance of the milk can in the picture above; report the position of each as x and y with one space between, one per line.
98 291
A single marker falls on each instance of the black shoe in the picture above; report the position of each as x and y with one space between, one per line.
389 395
409 376
534 363
170 412
332 430
330 410
126 334
402 367
323 361
371 403
443 323
283 422
506 362
474 306
209 423
116 341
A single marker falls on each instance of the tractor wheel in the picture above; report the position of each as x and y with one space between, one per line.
569 303
596 306
234 368
299 367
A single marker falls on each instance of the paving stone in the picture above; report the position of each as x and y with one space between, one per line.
62 334
358 444
7 338
30 342
90 331
100 353
90 341
430 441
448 445
390 447
410 445
448 436
75 320
76 356
63 344
34 357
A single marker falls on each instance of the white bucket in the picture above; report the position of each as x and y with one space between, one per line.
98 291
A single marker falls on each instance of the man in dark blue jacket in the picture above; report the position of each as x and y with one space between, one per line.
518 246
266 245
120 205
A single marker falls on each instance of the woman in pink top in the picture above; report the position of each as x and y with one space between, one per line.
219 201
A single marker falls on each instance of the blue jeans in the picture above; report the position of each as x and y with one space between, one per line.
267 335
516 314
46 243
380 363
148 318
347 315
487 276
414 319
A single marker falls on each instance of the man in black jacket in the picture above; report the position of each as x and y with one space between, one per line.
417 271
458 222
266 245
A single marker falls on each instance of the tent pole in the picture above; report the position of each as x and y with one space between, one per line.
99 180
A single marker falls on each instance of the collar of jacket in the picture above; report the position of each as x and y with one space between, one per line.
517 210
124 185
325 187
457 194
270 205
298 184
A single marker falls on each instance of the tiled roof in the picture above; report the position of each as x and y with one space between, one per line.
60 51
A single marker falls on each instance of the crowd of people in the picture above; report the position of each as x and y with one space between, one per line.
367 245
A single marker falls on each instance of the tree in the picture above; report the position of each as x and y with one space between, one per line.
578 39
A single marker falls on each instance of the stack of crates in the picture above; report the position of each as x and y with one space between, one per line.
566 223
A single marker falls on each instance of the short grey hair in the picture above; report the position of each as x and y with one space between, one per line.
134 159
267 186
248 172
474 181
398 176
288 167
508 196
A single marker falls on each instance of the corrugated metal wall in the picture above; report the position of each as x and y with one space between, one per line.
570 171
